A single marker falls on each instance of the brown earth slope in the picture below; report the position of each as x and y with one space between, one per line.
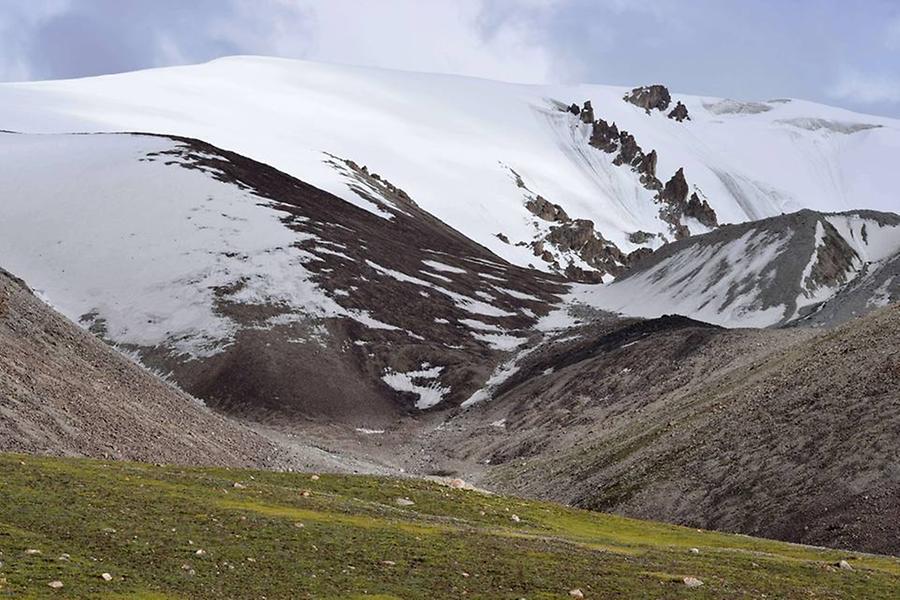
784 434
64 392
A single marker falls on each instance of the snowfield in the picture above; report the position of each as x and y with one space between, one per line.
114 238
453 143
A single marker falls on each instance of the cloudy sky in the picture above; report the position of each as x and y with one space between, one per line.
841 52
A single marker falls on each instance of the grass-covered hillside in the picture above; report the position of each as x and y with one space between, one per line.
125 530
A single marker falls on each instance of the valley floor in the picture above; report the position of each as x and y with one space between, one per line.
86 528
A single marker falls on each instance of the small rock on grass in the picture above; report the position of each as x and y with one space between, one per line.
576 593
692 582
314 477
55 584
403 502
32 551
515 518
106 577
695 550
845 565
457 484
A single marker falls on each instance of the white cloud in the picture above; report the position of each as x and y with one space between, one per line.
866 88
439 35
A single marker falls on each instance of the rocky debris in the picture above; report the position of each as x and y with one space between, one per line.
576 593
56 585
403 502
650 97
679 113
844 565
515 518
55 372
692 582
457 484
106 577
587 113
32 551
238 486
695 550
546 210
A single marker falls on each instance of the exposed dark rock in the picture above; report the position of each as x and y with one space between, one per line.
574 109
649 97
701 210
640 237
647 168
605 136
502 237
637 255
676 190
579 236
587 113
679 113
676 204
546 210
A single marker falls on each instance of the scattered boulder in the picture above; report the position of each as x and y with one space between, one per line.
692 582
55 584
403 502
106 577
238 486
457 484
695 550
576 593
574 109
502 237
650 97
679 113
515 518
845 565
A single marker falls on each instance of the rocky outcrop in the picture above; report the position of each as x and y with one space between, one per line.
679 113
650 97
677 204
546 210
675 196
607 137
640 237
587 113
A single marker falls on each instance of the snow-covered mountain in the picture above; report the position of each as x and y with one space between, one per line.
805 267
258 292
363 247
509 166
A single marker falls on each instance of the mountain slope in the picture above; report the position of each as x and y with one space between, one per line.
805 268
780 433
260 293
193 533
63 392
485 157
